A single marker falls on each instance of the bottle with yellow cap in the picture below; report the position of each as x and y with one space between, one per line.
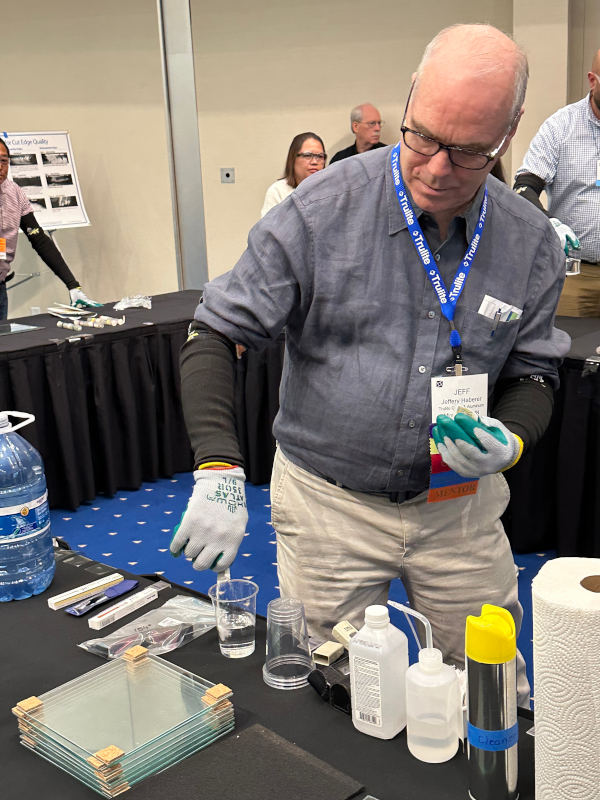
491 650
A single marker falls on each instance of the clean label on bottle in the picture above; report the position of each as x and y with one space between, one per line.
20 521
367 689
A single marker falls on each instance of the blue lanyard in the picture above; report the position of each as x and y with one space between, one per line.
447 300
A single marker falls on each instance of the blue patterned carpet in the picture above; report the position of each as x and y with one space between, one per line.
132 531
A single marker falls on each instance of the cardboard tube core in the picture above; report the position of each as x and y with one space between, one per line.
591 583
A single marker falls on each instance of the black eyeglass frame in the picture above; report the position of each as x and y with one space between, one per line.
451 148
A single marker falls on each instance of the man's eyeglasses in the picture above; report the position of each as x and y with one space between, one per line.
459 156
312 156
373 123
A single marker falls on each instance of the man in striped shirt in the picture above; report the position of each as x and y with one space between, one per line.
564 159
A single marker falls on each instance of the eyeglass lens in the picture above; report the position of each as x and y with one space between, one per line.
429 147
313 156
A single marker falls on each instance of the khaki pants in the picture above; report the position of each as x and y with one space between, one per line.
338 550
580 296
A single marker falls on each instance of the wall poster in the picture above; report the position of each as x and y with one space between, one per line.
42 164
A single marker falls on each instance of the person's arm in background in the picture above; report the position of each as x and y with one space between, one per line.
538 171
51 256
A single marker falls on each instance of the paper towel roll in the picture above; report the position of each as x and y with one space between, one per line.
566 670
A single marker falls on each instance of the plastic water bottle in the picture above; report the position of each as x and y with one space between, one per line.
26 553
378 664
433 708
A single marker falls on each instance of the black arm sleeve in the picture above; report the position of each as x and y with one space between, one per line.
207 382
530 187
525 406
47 250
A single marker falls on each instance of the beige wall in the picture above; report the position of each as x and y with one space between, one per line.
266 71
94 69
541 28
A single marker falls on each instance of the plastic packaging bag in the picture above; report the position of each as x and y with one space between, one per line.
135 301
176 622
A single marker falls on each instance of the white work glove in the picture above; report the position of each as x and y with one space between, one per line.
214 522
566 235
81 300
475 447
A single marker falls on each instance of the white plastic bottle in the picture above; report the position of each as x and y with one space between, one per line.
378 664
433 711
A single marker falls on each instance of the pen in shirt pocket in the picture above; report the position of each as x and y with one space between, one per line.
497 316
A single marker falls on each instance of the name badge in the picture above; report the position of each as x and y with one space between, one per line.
449 395
598 172
449 392
2 249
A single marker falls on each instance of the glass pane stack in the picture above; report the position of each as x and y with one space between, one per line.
126 720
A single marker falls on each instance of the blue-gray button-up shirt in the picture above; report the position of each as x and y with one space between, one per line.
335 266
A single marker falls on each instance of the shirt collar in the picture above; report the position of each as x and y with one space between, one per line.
590 114
397 221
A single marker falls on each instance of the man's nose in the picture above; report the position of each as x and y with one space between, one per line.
439 163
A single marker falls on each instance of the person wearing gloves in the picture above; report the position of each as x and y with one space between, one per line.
563 159
17 212
385 273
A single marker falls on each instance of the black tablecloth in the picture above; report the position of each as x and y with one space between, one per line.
41 654
555 502
108 416
107 401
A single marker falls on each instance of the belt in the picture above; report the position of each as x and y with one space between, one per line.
393 497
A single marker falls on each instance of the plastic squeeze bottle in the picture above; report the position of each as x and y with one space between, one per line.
433 708
378 664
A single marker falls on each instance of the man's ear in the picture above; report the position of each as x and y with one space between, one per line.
354 127
512 132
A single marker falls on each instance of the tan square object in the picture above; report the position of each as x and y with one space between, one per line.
218 691
109 754
135 653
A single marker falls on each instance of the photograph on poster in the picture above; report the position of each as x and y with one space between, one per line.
55 158
23 160
63 201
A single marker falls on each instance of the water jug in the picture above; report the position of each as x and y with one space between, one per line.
26 553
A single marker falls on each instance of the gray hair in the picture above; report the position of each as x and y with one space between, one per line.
356 115
485 49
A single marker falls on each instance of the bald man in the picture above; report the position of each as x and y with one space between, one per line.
365 124
365 266
564 159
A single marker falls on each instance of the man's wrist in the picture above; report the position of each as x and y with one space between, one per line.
519 453
216 465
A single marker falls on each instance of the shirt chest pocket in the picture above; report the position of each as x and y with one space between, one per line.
486 342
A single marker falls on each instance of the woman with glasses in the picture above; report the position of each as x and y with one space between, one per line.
306 156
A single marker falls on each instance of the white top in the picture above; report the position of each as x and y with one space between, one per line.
565 153
276 192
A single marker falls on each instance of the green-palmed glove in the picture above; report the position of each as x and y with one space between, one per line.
80 300
568 239
214 522
475 447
